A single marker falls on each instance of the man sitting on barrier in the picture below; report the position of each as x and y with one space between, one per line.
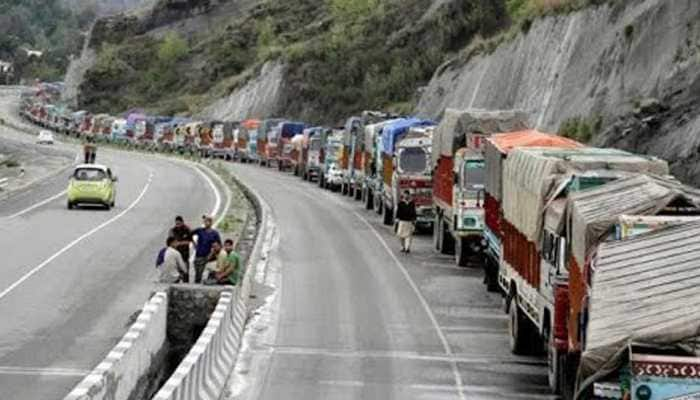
173 269
223 267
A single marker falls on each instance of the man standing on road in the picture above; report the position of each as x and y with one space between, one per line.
206 236
183 237
173 269
406 214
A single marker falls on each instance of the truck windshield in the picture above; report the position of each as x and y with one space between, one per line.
473 175
412 160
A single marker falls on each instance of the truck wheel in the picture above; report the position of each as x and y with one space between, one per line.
462 252
447 242
491 275
320 180
555 371
378 206
358 195
388 216
369 201
516 328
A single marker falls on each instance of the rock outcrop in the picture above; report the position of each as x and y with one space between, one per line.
632 67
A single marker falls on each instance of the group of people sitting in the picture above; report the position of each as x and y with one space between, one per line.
215 263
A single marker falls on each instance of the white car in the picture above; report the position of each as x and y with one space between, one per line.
45 137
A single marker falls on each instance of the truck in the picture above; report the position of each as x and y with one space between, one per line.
312 153
280 143
392 134
458 178
297 153
246 141
330 176
537 183
353 151
371 158
496 150
641 340
411 173
223 139
264 154
633 204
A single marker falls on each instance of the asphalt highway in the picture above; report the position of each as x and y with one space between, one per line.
348 316
71 280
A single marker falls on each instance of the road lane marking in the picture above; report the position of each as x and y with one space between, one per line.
422 300
29 371
37 205
217 195
78 240
441 335
401 355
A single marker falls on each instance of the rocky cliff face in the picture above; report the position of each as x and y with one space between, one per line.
261 97
631 71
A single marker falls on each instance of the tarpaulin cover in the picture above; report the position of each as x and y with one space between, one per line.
456 125
593 212
645 289
531 174
499 145
393 131
291 129
373 130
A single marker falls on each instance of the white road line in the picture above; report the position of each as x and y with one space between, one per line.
217 203
443 339
421 298
69 372
229 195
78 240
37 205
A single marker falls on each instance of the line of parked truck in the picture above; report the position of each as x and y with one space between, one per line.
596 251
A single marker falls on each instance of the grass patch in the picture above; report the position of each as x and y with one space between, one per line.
582 129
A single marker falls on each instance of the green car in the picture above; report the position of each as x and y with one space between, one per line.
92 184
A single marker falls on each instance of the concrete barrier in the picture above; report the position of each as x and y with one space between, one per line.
120 376
206 367
204 372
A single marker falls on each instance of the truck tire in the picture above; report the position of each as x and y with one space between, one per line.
358 195
517 328
378 206
490 275
369 200
388 216
320 180
555 363
462 252
447 242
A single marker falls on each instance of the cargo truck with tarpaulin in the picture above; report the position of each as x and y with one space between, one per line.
635 203
642 329
459 177
281 143
392 134
266 127
246 142
496 150
536 185
223 140
312 152
371 158
354 145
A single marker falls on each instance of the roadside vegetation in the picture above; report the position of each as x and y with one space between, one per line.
342 56
42 25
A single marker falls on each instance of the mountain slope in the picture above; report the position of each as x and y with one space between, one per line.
335 56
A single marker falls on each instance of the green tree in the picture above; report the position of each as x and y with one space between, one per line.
172 48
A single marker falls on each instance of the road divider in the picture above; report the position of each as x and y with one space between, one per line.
123 373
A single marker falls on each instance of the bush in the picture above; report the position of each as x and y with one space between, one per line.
581 129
